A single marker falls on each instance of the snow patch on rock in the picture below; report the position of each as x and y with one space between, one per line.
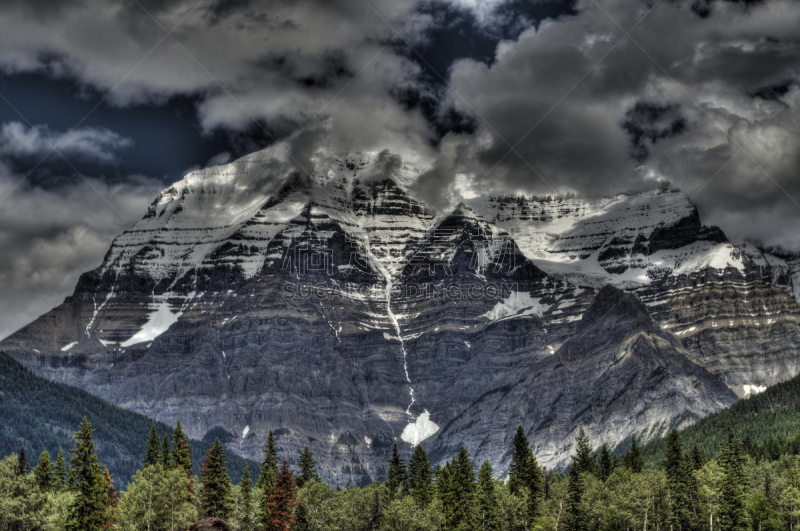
516 305
67 347
419 430
159 322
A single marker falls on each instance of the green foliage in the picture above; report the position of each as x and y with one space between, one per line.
307 466
734 492
488 518
61 474
43 471
269 466
215 491
633 458
41 415
420 477
153 452
398 475
244 513
524 475
87 512
156 501
23 505
583 464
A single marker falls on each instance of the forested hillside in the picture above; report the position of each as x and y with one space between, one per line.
768 424
41 415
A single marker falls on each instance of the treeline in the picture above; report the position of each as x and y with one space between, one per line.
40 414
600 492
768 424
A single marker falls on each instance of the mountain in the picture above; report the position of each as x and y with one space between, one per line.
341 312
619 373
42 415
770 420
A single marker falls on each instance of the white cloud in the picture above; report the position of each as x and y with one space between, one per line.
91 143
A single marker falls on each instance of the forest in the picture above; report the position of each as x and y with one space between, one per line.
734 491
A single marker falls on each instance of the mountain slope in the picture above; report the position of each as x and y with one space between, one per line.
41 415
774 413
619 374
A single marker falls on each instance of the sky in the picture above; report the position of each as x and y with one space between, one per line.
104 104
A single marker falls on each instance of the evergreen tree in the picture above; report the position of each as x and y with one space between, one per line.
269 466
733 513
45 477
87 511
463 489
698 459
397 475
282 501
246 520
420 477
633 459
677 482
61 473
605 462
166 454
487 511
22 462
524 476
307 466
182 458
153 453
181 452
215 490
583 462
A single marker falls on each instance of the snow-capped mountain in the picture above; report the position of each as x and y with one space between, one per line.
340 312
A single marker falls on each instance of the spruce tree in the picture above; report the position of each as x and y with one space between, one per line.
246 520
633 459
583 462
166 454
87 511
269 466
420 477
397 475
182 458
446 493
307 466
282 501
463 488
45 477
698 459
61 473
22 462
215 490
605 463
733 513
524 475
487 505
677 482
153 453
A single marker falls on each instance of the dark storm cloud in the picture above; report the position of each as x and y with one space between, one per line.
650 121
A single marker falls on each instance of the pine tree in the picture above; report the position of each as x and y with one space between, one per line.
44 472
61 473
282 501
153 453
675 471
22 462
181 452
246 521
524 475
397 475
488 517
182 457
605 462
87 511
733 513
269 466
463 488
633 459
698 459
420 477
166 454
215 490
307 466
112 499
582 463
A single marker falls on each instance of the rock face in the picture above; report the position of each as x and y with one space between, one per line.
618 373
339 312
